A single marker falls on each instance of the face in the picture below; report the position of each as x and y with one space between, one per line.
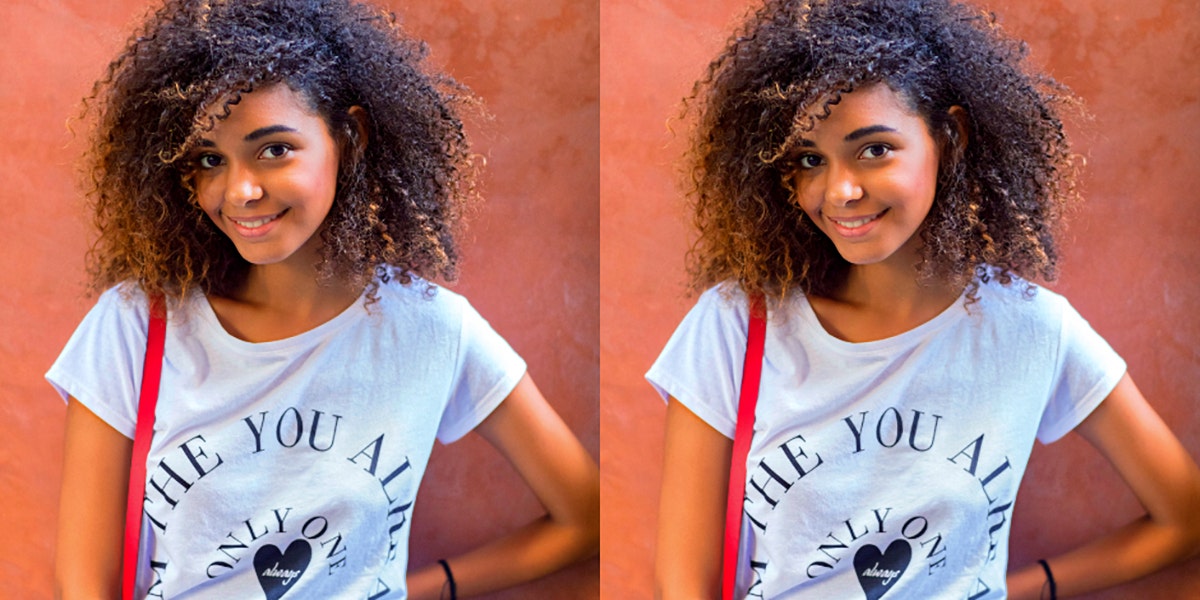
267 174
866 175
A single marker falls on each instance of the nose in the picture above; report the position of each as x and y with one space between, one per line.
842 185
241 185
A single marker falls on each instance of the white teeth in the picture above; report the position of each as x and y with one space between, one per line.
857 223
256 223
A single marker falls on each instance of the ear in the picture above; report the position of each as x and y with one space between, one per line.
961 129
361 123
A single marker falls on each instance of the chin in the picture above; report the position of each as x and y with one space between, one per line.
261 258
862 259
873 252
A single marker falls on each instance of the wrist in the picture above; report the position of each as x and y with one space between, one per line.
449 587
1025 583
1050 587
425 583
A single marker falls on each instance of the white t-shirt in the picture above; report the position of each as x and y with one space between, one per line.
889 468
289 467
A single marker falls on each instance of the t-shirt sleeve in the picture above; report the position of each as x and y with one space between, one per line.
701 365
101 365
1086 371
486 370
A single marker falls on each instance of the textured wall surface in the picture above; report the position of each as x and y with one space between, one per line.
1128 266
531 264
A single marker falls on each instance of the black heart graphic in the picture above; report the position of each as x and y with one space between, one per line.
877 572
278 572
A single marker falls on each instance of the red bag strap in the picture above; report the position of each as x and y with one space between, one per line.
747 400
151 372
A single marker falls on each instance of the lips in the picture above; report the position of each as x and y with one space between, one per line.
855 225
255 226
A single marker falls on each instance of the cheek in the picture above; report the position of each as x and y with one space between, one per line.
309 187
929 174
807 198
918 184
323 178
208 199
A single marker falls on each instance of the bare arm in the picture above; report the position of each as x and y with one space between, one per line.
91 514
691 514
1165 479
563 476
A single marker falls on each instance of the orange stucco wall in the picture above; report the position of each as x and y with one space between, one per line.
531 263
1129 266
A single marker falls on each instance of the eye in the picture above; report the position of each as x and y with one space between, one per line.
208 161
275 151
808 161
875 151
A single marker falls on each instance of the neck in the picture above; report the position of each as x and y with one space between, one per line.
880 288
881 300
281 300
894 287
294 288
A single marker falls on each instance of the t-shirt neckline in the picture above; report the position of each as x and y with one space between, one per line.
343 319
949 315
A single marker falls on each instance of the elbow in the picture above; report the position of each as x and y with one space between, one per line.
579 526
592 540
589 527
589 519
1187 524
1191 533
584 539
1191 522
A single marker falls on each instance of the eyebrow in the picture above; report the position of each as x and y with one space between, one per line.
261 132
265 131
865 131
854 135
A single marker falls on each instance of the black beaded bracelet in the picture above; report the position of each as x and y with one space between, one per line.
449 579
1049 579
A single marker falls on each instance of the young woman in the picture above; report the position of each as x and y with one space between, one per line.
888 176
288 177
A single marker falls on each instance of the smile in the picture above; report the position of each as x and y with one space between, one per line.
251 227
256 222
855 226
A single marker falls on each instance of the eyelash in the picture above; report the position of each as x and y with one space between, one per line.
884 147
283 148
884 150
200 161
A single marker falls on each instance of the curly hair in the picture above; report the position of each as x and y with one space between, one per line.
399 197
998 201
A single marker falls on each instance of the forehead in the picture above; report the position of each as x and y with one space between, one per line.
875 104
273 104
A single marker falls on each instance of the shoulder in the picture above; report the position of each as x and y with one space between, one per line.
712 333
724 305
1021 303
420 299
425 311
122 308
101 363
721 315
701 364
